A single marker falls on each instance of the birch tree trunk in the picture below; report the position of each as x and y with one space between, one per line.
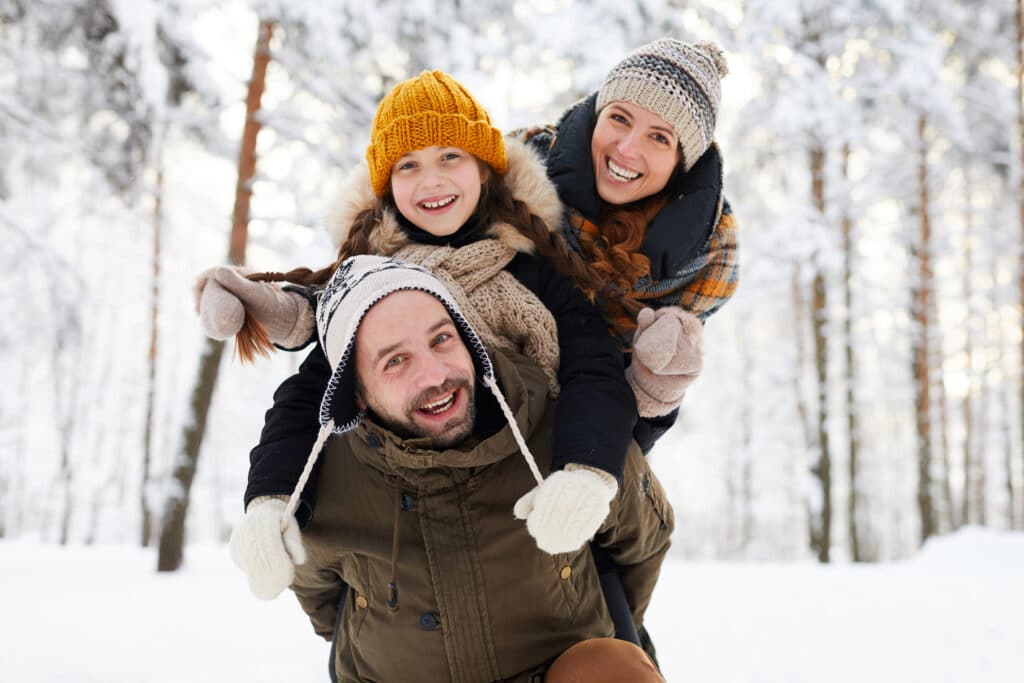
921 307
852 428
172 535
821 528
154 317
968 412
1019 49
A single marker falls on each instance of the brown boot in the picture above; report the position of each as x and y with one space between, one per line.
603 660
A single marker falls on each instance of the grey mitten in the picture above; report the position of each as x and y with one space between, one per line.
224 296
668 354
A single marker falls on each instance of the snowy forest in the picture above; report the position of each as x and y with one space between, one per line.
861 393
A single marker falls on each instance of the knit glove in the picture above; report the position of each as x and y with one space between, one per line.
224 296
266 554
566 509
668 353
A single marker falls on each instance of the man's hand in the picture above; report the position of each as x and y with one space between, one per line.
668 354
263 551
224 296
567 509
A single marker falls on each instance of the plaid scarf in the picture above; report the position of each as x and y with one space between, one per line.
701 286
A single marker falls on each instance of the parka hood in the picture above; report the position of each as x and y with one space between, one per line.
526 178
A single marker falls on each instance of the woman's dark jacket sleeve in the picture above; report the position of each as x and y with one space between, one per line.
290 428
596 410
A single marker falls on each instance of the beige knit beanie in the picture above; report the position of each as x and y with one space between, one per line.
680 82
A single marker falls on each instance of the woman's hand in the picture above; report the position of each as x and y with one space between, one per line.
668 354
224 297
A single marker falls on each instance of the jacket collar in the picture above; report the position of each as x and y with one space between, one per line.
525 389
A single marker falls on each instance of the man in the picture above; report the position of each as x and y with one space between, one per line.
416 498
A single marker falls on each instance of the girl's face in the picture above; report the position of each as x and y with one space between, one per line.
634 152
437 188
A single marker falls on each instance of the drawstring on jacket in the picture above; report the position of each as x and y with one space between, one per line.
393 583
325 432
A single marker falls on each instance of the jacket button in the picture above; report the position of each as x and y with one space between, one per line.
566 572
361 602
372 441
408 502
428 621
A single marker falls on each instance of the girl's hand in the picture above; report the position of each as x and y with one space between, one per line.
668 354
224 297
263 551
567 509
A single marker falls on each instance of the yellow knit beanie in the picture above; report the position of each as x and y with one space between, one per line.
431 109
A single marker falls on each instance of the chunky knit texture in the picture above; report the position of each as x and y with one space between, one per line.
680 82
431 109
498 307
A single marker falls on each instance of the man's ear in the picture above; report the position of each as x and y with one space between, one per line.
360 399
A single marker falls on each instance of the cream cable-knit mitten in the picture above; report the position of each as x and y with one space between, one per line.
668 354
224 296
568 508
263 551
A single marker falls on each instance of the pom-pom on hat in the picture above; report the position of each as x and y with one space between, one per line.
430 109
680 82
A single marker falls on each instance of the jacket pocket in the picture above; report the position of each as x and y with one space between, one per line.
356 573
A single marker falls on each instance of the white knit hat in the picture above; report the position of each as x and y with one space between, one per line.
357 285
680 82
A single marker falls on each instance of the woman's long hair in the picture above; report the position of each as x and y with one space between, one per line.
614 254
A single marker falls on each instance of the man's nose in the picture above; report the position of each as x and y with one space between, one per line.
433 373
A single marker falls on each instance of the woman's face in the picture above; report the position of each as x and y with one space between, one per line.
634 152
437 188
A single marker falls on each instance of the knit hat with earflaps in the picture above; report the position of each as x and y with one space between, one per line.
357 285
431 109
680 82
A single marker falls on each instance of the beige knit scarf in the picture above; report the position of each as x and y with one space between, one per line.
503 312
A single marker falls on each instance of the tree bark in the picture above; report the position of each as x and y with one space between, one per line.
968 412
921 363
852 427
154 317
821 531
172 537
1019 49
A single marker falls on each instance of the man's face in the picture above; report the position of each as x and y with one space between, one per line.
413 370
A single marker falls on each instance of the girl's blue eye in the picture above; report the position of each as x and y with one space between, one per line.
403 165
447 156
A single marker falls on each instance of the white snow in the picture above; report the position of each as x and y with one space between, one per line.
950 613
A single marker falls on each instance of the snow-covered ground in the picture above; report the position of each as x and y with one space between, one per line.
952 613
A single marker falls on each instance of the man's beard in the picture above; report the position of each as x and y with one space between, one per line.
453 432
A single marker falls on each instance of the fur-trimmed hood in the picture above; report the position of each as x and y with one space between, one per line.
526 177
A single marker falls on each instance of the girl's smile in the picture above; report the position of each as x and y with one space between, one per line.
437 188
